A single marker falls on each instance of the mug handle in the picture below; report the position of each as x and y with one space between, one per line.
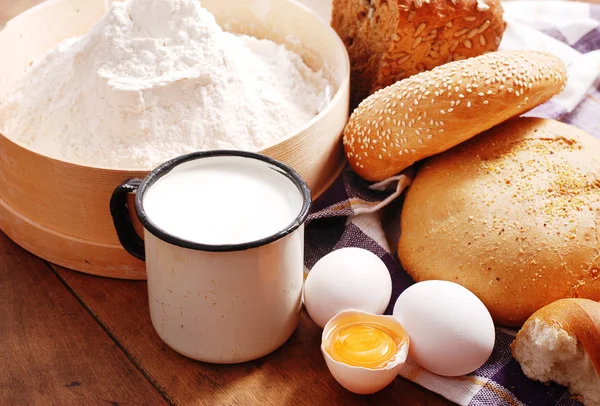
119 210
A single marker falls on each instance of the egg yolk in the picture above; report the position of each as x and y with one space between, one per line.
364 345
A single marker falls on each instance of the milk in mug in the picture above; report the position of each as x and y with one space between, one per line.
223 201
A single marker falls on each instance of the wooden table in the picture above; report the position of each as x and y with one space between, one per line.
69 338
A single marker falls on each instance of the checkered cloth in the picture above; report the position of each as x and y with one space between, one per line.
354 214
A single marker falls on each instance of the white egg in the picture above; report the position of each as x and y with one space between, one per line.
451 331
348 278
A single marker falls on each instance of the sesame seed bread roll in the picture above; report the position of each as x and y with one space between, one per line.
433 111
392 40
561 343
513 215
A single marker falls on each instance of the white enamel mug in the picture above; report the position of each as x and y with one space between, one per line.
218 303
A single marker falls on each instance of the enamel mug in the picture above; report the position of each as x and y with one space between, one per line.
218 303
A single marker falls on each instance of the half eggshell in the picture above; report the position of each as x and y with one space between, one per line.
361 380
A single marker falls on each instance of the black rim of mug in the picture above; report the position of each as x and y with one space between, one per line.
168 166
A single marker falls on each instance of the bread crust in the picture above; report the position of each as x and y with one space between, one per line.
391 40
578 317
435 110
513 215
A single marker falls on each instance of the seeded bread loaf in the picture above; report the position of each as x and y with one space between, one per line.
561 343
389 40
512 215
433 111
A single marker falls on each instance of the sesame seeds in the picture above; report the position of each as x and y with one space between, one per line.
431 36
405 117
403 59
484 26
416 42
460 33
420 28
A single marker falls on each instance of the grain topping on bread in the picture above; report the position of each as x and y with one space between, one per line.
392 40
512 215
433 111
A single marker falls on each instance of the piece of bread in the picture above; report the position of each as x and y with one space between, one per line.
392 40
561 343
435 110
513 215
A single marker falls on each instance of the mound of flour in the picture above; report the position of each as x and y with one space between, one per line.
154 79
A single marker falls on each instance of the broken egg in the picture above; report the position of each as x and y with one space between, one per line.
364 352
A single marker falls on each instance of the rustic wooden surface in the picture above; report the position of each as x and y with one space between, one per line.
52 349
295 374
70 338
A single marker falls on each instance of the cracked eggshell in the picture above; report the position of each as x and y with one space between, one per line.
360 380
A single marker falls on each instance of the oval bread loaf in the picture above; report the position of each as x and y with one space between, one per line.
433 111
392 40
513 215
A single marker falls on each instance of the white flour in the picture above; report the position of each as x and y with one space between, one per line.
158 78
